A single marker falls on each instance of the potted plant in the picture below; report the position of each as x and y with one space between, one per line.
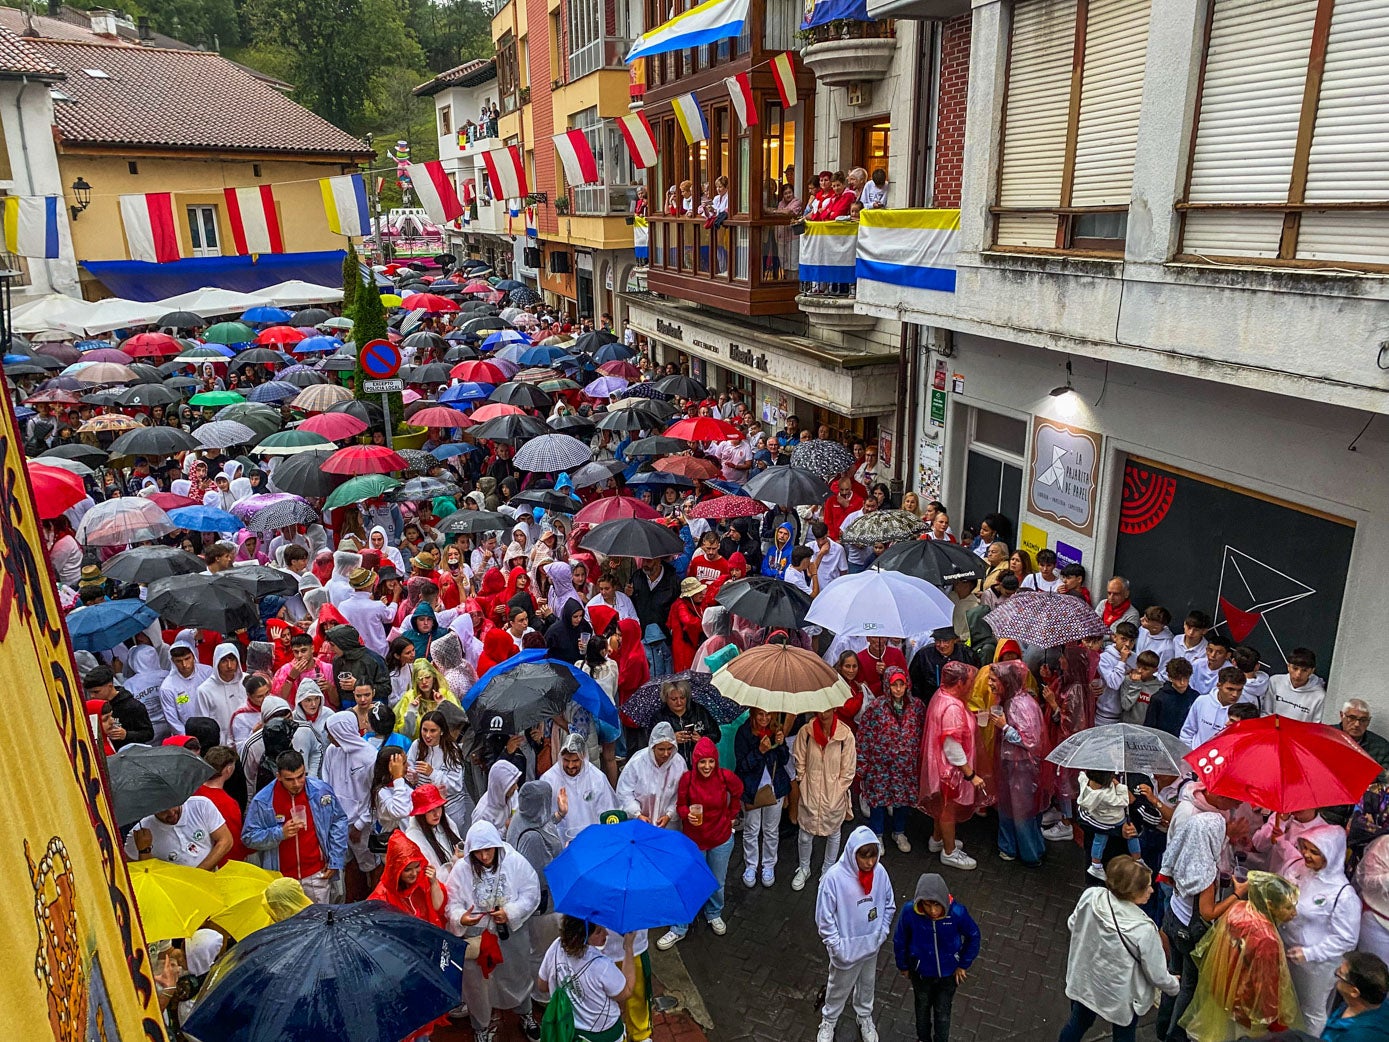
561 204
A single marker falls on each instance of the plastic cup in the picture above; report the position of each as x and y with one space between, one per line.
696 813
299 813
1240 874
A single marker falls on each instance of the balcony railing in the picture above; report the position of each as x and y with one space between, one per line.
603 53
602 200
747 266
473 133
846 29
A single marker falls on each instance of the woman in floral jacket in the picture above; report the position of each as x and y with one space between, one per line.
889 756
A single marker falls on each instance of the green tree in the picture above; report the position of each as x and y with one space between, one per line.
369 323
213 24
351 278
451 31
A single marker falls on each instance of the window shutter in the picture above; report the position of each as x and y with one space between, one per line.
1116 50
1034 126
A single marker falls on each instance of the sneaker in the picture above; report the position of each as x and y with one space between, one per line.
935 846
459 1012
825 1032
668 940
903 844
867 1031
750 878
1050 817
882 848
487 1034
718 926
768 877
958 859
1096 870
799 879
530 1028
1001 855
1060 832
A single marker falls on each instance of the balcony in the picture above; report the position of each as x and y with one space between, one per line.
828 256
602 200
603 53
747 267
844 52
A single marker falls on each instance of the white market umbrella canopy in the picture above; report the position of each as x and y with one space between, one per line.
296 292
210 301
46 312
880 604
114 313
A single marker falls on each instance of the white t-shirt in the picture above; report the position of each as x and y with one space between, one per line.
1036 582
593 981
186 842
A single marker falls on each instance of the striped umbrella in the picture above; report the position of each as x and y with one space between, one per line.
273 391
552 453
781 678
318 397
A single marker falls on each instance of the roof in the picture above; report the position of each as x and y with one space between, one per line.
185 100
469 74
19 58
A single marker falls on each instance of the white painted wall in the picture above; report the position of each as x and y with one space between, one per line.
26 112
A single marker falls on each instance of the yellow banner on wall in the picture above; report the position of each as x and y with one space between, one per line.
79 970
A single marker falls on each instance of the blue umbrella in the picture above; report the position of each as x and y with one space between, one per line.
605 386
660 477
465 392
630 876
505 336
508 284
317 345
363 972
528 679
102 626
204 519
92 345
273 391
614 353
731 487
23 412
547 355
510 352
453 448
265 316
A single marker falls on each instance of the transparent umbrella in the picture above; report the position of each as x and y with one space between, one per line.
1127 748
118 522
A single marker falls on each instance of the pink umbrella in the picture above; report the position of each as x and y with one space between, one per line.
335 426
612 508
107 354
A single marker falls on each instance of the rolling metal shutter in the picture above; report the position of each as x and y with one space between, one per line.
1116 47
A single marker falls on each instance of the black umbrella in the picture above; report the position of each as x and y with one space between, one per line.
180 320
522 395
424 341
513 427
523 298
658 445
646 700
23 369
629 420
788 487
571 423
422 488
632 537
149 779
339 363
205 602
170 368
147 395
474 325
180 383
261 580
681 386
303 377
363 972
259 356
546 499
309 317
769 602
261 418
429 373
145 564
593 340
101 398
645 390
154 441
938 562
303 474
474 521
596 472
529 693
368 412
88 454
459 353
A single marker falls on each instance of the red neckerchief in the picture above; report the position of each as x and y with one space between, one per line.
865 880
1112 615
818 732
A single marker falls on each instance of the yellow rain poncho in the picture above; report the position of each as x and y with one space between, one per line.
414 704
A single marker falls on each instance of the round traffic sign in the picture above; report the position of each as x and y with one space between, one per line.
380 359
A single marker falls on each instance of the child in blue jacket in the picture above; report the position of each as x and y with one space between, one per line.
936 941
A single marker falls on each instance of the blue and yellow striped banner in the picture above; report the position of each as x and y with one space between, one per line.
908 248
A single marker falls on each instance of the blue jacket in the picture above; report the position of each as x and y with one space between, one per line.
936 947
263 832
1370 1026
751 762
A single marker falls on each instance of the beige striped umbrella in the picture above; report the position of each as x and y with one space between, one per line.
782 679
318 397
113 421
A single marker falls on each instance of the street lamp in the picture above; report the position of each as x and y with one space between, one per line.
82 192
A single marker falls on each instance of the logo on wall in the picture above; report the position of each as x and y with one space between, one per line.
1147 499
1264 589
1062 488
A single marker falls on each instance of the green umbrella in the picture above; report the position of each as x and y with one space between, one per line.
263 419
216 398
287 443
229 333
364 486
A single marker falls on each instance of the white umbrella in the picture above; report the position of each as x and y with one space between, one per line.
1123 748
297 292
223 434
880 604
117 522
114 313
47 312
210 301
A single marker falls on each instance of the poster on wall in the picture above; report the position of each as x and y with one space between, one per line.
1061 486
1188 542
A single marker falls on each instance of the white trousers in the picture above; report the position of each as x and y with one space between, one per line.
857 980
760 834
805 845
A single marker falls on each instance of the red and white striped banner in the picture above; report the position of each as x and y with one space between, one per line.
740 90
580 168
640 138
506 170
255 225
784 73
150 233
435 191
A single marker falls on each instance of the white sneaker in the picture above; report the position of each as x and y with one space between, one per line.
1050 817
825 1032
768 877
867 1031
935 846
799 879
903 844
882 848
750 878
1095 870
958 859
718 926
1058 833
1001 855
668 940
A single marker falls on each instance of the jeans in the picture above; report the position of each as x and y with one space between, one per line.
878 817
1101 841
1182 941
717 860
805 846
1022 839
1083 1016
658 658
934 997
761 833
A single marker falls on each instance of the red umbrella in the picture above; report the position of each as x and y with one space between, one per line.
701 428
55 489
428 302
626 370
1284 765
611 508
688 467
54 397
477 286
151 345
479 372
335 426
279 335
727 507
365 459
492 410
171 501
440 416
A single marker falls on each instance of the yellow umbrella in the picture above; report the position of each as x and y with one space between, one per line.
237 880
390 300
174 900
281 899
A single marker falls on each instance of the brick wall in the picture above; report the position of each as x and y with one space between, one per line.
542 114
950 120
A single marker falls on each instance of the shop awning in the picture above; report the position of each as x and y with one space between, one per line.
141 280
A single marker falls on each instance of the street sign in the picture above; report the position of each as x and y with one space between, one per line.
382 386
380 359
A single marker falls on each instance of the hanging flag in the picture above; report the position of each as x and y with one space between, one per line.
690 117
506 169
784 72
345 202
31 226
822 12
150 233
640 233
254 222
906 248
710 21
435 192
580 168
640 138
740 90
531 230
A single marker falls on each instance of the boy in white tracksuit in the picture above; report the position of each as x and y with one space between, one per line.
853 912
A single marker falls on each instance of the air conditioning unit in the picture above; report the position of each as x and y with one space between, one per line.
531 255
559 264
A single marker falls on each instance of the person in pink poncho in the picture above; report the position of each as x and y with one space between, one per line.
949 785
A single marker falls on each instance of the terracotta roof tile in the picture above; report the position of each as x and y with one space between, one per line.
469 74
19 57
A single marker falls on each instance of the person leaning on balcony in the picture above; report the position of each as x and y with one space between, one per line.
844 195
687 199
874 193
819 196
673 200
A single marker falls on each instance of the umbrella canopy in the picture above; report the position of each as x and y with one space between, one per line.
480 372
359 489
273 391
310 317
552 453
1047 620
301 376
626 370
511 428
882 526
364 459
605 387
474 521
427 302
148 395
216 398
829 459
119 521
788 487
529 688
440 416
646 700
261 580
171 500
579 426
772 603
678 386
333 426
263 419
627 420
727 507
546 499
264 315
204 602
292 442
1284 765
610 352
318 397
596 472
659 479
934 560
90 373
492 410
1122 748
174 900
148 779
422 489
781 678
154 441
222 434
229 333
109 423
204 519
144 564
317 345
179 320
880 604
281 515
702 428
687 467
55 489
100 627
465 392
633 537
656 445
368 412
303 474
614 508
630 876
425 341
88 454
524 395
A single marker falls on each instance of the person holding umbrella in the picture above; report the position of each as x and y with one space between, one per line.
690 720
853 913
595 986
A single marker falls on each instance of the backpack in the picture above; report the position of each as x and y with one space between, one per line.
557 1025
277 737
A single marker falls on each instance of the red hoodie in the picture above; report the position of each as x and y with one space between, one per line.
719 794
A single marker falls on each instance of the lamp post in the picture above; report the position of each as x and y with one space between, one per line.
82 192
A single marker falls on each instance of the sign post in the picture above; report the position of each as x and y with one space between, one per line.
381 361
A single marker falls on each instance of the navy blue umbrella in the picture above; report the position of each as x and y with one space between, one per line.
529 688
353 973
102 626
614 353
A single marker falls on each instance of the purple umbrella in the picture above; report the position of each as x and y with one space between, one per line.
1046 620
107 354
606 387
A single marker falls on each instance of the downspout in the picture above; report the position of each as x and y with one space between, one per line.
28 165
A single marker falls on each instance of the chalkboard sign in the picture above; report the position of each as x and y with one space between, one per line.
1270 575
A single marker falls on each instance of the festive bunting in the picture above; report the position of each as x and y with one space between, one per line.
580 168
506 170
255 224
640 231
345 203
435 192
784 73
150 233
740 90
710 21
640 138
31 226
690 117
914 248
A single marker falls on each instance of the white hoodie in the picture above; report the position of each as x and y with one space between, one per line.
177 692
853 924
1295 703
220 698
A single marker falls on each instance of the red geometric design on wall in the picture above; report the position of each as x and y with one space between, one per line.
1146 501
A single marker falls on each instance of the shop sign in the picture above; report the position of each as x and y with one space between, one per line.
1061 486
937 408
670 329
1032 539
751 359
1067 554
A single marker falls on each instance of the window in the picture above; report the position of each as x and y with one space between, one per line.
585 37
616 190
1293 114
202 231
508 73
872 141
445 120
1070 125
